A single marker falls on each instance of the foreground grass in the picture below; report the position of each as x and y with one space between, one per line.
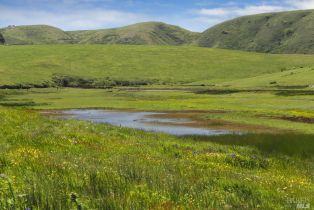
55 164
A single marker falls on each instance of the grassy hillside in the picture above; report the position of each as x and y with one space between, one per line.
36 34
157 64
150 33
299 77
286 32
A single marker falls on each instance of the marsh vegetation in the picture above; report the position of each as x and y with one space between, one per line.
53 164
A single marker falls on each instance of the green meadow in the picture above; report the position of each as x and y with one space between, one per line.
159 64
49 163
62 164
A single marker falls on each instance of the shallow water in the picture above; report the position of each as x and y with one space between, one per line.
147 121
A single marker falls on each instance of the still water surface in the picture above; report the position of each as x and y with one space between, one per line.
147 121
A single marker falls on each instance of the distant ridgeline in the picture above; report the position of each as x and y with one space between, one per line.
284 32
150 33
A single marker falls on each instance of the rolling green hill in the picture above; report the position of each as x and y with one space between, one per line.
285 32
34 34
157 64
149 33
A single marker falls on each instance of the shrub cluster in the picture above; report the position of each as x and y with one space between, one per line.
80 82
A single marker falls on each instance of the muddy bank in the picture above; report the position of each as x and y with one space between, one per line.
197 120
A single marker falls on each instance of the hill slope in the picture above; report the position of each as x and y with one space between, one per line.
158 64
35 34
150 33
285 32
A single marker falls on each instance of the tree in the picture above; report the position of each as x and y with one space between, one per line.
1 39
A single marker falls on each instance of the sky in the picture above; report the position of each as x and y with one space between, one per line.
195 15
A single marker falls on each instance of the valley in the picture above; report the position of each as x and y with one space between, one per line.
153 116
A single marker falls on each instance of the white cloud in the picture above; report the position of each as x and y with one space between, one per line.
239 11
213 12
69 20
301 4
250 10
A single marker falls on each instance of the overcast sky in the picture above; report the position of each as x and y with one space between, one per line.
196 15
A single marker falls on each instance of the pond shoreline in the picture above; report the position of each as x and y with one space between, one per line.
147 121
171 122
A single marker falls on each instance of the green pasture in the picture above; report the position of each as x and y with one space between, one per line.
48 163
160 64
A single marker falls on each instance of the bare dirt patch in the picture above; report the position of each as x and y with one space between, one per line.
306 120
299 119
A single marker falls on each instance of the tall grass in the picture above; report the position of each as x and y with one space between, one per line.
61 164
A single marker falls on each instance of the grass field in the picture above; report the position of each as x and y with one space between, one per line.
169 65
53 164
66 164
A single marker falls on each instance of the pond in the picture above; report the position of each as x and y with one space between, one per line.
146 121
